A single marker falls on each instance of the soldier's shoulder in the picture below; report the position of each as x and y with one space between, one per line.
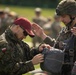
3 43
3 39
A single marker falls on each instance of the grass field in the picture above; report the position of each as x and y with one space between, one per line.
28 12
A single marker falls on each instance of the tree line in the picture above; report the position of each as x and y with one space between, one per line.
33 3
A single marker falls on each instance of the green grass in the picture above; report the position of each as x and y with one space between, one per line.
28 12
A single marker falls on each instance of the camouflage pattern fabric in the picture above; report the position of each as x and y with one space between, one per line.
15 55
40 20
4 24
66 7
55 29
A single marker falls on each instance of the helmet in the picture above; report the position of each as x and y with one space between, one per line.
66 7
38 10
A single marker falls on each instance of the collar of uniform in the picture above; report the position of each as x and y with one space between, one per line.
10 36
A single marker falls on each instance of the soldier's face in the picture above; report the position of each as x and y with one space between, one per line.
65 19
21 33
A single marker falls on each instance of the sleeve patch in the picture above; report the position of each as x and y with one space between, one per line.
4 50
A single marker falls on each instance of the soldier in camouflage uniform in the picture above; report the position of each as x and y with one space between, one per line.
40 20
16 57
66 9
5 21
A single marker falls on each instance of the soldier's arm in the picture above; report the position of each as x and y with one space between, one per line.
9 64
23 67
40 33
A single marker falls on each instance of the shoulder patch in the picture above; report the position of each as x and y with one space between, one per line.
4 50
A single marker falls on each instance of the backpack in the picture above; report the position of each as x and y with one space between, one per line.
55 58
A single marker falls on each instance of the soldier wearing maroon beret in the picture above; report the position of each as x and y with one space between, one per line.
16 57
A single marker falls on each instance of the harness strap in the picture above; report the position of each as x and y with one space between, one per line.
70 49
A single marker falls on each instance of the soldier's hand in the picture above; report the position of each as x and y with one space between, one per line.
41 47
73 30
38 59
38 31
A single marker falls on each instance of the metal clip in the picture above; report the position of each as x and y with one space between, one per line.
71 52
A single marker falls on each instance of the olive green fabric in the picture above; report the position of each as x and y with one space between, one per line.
15 55
66 7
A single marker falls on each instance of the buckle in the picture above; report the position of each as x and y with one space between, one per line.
71 52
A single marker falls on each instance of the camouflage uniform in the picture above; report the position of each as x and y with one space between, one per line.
3 25
40 20
52 29
60 45
15 55
55 29
66 7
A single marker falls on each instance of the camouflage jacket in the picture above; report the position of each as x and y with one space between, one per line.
15 55
59 42
4 25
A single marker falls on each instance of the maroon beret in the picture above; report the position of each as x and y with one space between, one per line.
26 24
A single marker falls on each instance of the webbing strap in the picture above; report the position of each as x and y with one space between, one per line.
70 48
